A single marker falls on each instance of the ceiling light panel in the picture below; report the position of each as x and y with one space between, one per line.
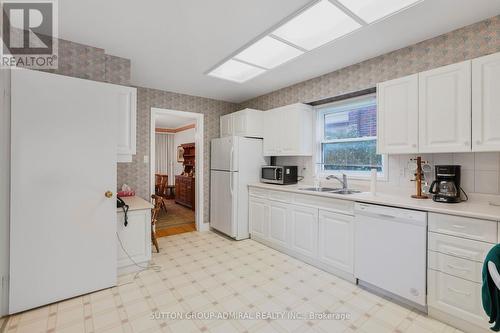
268 52
236 71
317 25
373 10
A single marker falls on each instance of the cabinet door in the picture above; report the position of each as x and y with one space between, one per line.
336 234
135 237
397 116
226 125
258 217
304 230
485 103
445 109
273 132
278 223
127 122
240 123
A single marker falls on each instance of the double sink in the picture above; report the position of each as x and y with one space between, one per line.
330 190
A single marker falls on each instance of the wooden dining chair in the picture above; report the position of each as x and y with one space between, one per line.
154 218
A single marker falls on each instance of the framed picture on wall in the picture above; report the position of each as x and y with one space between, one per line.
180 154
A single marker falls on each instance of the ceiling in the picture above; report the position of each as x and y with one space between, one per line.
172 44
171 121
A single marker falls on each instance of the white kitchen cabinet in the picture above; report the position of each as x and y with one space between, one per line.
304 230
278 223
258 217
247 122
397 116
485 102
135 239
336 240
288 131
445 109
127 122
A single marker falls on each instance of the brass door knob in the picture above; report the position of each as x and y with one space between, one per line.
108 194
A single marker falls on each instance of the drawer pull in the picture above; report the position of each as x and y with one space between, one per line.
458 268
458 226
459 291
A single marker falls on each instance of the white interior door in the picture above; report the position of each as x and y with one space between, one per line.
223 201
63 160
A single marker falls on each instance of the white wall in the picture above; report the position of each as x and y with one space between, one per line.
480 171
187 136
4 188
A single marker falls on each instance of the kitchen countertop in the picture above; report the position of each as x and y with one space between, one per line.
474 208
135 203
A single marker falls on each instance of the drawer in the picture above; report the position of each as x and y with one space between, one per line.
462 268
329 204
257 192
458 247
280 196
482 230
456 296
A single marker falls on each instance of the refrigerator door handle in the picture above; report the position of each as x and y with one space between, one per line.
231 184
231 156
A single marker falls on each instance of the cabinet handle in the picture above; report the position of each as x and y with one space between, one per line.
459 291
458 268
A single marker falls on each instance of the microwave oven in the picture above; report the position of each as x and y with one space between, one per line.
282 175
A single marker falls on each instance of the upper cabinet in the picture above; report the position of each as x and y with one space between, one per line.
127 122
397 125
485 103
456 109
247 122
288 131
445 109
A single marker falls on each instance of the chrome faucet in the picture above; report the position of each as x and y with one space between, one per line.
343 181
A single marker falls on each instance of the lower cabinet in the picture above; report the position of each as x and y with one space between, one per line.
134 243
336 240
258 217
304 230
278 226
318 236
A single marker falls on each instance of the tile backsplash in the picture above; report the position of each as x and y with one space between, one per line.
480 171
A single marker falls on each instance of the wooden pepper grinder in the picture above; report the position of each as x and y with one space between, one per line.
419 177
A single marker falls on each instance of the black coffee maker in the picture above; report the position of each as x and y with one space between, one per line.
446 188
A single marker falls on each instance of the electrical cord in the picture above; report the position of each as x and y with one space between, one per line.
143 268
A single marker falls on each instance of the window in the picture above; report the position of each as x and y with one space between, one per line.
348 137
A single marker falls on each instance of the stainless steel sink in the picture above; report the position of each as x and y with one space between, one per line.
330 190
345 191
319 189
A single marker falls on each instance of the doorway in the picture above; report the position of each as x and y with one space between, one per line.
177 170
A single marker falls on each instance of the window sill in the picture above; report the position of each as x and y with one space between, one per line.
352 176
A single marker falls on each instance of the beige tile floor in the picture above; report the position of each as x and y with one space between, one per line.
205 273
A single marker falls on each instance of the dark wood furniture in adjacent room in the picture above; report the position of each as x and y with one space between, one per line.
185 183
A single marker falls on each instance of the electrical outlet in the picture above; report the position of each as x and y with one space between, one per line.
146 158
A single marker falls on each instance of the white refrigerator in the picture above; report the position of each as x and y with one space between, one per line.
235 163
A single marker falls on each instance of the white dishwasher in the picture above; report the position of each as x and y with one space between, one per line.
390 251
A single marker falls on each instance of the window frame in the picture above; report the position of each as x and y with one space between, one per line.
319 170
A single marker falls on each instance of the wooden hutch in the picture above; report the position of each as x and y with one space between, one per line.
185 183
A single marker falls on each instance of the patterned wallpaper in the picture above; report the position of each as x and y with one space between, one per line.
469 42
136 174
92 63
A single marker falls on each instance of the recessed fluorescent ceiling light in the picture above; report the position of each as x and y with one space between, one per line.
317 25
373 10
236 71
268 53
